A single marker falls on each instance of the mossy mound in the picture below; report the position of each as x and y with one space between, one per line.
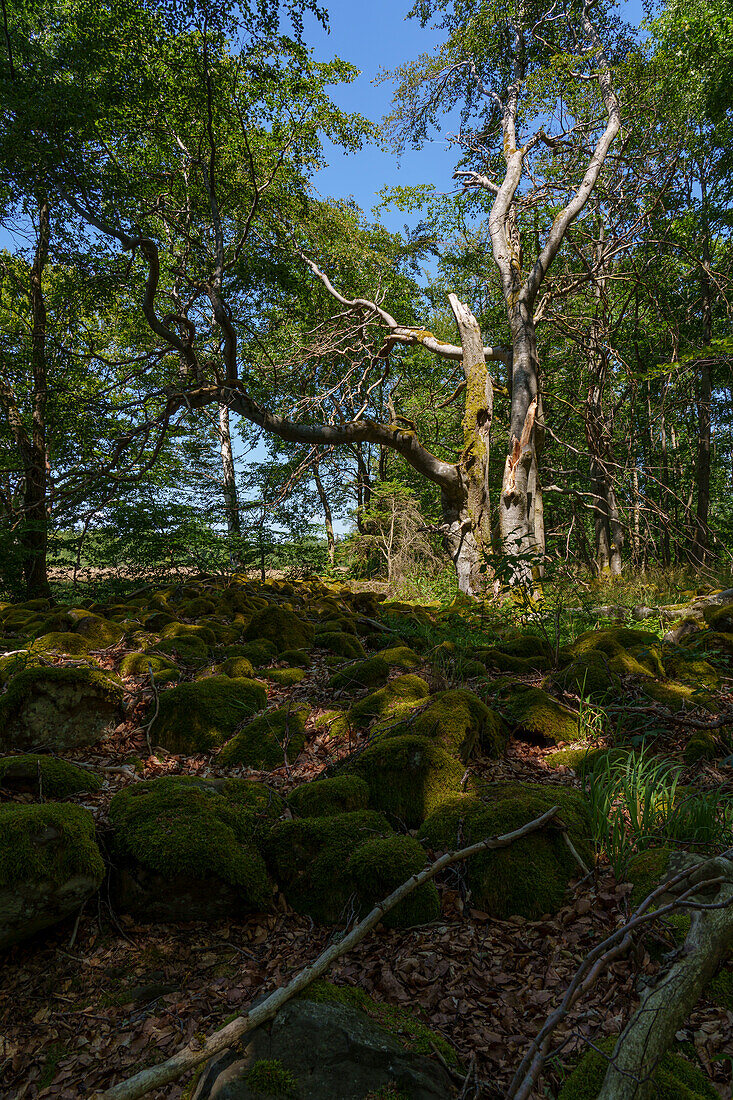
459 722
282 627
687 668
298 658
265 742
335 624
237 668
532 713
400 696
587 675
13 663
583 760
66 642
374 670
197 717
674 1078
333 722
184 830
46 775
611 641
495 660
408 777
189 630
341 645
58 708
379 866
719 618
136 664
701 746
284 677
676 696
647 870
188 649
49 865
327 797
530 877
259 653
97 631
309 859
269 1079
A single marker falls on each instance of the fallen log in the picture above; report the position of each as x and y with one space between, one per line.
199 1051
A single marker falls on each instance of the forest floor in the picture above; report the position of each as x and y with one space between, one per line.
90 1001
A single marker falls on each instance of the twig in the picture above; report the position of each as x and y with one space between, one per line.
156 1076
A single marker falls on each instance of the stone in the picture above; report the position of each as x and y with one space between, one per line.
326 1051
58 708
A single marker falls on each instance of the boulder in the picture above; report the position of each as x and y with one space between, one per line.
408 776
268 740
536 715
199 716
186 848
46 776
49 865
332 1044
58 708
282 627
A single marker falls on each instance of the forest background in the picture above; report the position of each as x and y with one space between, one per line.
208 363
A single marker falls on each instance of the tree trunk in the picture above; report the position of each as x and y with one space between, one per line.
229 483
606 519
327 515
700 550
35 503
521 521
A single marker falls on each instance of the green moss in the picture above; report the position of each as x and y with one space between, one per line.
333 722
284 677
534 713
298 658
374 670
53 841
54 777
189 650
686 668
408 777
189 630
647 870
400 657
400 696
309 858
380 865
402 1024
530 877
259 653
62 642
720 990
237 668
701 746
649 657
326 797
268 1078
196 608
199 716
335 624
677 696
498 661
342 645
719 618
282 627
265 742
674 1078
52 1055
459 722
611 641
588 675
181 825
14 663
583 760
58 707
136 664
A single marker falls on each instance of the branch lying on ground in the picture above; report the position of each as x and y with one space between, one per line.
689 882
191 1056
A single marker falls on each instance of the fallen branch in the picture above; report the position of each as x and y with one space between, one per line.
597 961
665 1007
193 1055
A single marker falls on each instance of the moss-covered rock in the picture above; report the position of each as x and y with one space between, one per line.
530 877
687 668
96 630
58 708
333 722
75 645
199 716
408 776
49 865
587 675
674 1078
719 618
297 658
136 664
237 668
269 1080
676 696
47 776
374 670
701 746
187 848
188 650
327 797
399 697
268 741
14 662
282 627
611 641
532 713
647 870
189 630
284 677
309 858
380 865
583 760
259 653
341 645
458 721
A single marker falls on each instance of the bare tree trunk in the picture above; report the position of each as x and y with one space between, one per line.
231 501
35 503
330 538
700 549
